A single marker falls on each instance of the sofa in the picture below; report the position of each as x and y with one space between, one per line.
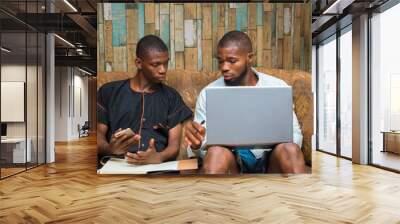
190 83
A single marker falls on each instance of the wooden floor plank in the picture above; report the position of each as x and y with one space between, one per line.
70 191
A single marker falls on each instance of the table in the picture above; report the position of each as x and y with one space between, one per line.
13 150
391 141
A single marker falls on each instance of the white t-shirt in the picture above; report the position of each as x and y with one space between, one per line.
263 80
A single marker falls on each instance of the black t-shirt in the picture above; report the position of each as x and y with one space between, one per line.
118 106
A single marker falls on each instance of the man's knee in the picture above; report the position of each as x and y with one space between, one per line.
217 160
288 150
291 155
216 151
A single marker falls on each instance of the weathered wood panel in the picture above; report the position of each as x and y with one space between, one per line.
132 26
119 24
191 58
280 33
149 13
179 60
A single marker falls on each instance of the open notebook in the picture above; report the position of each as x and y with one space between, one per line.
120 166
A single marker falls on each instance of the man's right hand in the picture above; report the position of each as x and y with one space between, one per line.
194 134
122 140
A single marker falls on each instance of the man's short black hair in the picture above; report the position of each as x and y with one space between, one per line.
150 43
236 38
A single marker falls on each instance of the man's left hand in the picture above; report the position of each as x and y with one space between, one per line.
150 156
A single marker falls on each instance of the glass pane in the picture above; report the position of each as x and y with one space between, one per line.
13 85
41 98
386 89
327 96
22 63
346 94
31 98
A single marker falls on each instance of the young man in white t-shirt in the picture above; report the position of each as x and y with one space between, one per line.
235 57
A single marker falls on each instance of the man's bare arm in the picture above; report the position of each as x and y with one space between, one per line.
174 139
103 148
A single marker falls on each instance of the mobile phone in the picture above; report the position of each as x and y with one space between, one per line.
125 131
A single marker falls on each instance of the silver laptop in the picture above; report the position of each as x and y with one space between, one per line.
249 116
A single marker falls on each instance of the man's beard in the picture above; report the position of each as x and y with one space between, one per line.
238 80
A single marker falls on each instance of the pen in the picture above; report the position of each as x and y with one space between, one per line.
201 123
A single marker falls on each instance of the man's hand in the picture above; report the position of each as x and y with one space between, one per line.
122 140
150 156
194 134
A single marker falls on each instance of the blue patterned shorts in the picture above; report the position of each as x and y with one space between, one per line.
248 163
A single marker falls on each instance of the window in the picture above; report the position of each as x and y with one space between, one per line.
346 92
385 85
394 101
22 65
327 96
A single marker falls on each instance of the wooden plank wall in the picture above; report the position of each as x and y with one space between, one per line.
280 33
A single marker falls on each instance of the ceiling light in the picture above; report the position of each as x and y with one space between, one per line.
70 5
65 41
5 50
337 7
84 71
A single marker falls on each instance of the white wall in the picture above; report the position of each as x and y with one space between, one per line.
70 83
61 103
13 73
80 100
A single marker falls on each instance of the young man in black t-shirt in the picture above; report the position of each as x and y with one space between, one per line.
140 118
